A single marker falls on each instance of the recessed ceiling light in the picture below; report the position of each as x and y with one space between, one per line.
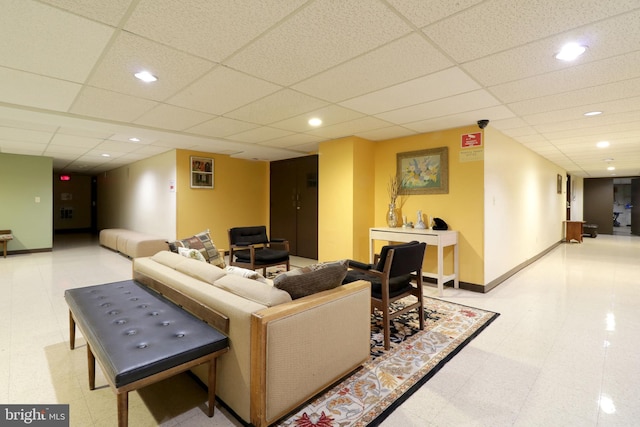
105 155
593 113
609 160
146 76
134 139
602 144
570 51
611 168
315 121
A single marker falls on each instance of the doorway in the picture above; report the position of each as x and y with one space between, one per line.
294 204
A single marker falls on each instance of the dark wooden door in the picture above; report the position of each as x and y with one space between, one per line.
635 206
294 204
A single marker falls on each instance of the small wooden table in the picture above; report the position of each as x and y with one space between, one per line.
573 231
5 236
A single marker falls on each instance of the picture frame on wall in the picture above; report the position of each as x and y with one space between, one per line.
201 169
559 184
424 171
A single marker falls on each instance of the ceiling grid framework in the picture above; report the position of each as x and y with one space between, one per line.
244 78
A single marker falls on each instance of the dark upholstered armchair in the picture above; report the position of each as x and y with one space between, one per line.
250 247
392 279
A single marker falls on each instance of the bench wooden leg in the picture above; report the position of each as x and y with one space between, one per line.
72 331
212 387
91 364
123 409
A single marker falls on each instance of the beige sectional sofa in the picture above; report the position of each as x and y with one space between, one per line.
132 243
282 351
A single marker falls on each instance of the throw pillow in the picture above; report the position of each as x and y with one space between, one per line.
203 243
191 253
312 279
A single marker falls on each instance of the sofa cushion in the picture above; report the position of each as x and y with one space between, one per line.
312 279
200 270
259 292
167 258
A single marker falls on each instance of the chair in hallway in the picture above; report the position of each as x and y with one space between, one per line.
250 247
398 266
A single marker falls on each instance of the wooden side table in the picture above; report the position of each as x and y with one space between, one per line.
5 236
573 231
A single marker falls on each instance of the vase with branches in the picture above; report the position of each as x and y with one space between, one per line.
393 189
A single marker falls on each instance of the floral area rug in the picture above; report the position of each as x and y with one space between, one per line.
371 393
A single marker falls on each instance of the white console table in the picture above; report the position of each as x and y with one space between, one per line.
438 238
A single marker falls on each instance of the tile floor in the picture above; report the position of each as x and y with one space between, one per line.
564 351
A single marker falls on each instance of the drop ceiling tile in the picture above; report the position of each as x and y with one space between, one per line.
472 34
581 97
441 107
117 147
109 12
24 135
96 134
130 54
329 115
532 139
623 110
401 60
31 90
20 124
293 140
75 141
421 13
259 135
222 90
44 40
509 123
566 80
434 86
230 23
608 38
276 107
363 124
386 133
172 117
12 145
104 104
221 126
459 119
68 150
314 39
151 150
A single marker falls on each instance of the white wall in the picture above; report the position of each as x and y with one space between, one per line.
138 196
524 214
577 198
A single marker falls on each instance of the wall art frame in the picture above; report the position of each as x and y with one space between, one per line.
201 171
424 171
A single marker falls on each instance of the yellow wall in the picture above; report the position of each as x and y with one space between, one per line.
240 197
462 208
345 196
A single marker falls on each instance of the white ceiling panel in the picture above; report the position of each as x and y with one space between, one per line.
222 90
243 79
333 31
330 115
172 117
472 33
100 103
110 12
32 90
44 40
277 107
231 24
130 54
401 60
438 85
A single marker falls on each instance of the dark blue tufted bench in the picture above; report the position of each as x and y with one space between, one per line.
139 338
